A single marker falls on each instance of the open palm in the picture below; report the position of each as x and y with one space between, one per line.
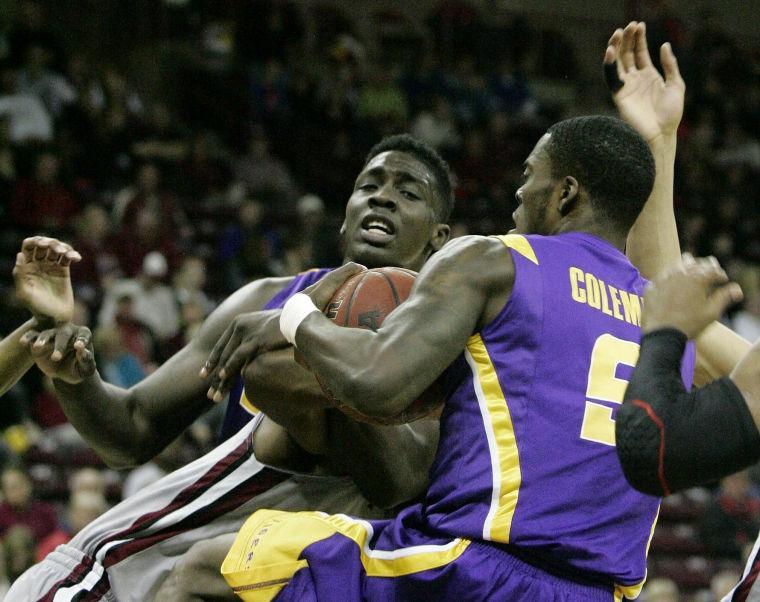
43 281
649 103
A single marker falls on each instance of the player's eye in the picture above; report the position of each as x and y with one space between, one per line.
367 187
410 195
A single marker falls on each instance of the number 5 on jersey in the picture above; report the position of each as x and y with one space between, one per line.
604 385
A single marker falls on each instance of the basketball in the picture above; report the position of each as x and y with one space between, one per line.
364 301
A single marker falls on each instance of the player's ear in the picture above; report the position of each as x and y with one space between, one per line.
441 234
568 195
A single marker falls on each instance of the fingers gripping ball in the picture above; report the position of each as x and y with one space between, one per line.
364 301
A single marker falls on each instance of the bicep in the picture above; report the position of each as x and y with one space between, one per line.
175 392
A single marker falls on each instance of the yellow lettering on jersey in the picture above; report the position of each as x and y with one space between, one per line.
576 277
592 291
615 302
520 244
605 301
586 288
631 308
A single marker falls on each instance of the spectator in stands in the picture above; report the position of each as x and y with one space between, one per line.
28 118
35 78
189 283
154 303
18 546
262 173
43 203
87 480
116 364
148 194
19 506
437 125
723 582
99 262
660 590
162 139
83 508
732 519
247 246
5 582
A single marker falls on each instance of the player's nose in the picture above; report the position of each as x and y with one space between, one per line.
383 198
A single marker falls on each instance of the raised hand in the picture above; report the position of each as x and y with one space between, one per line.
64 353
689 297
650 104
43 282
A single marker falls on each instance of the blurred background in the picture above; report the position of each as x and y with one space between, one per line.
187 147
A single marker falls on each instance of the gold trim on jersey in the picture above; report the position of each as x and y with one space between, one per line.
266 551
502 443
247 405
520 244
631 592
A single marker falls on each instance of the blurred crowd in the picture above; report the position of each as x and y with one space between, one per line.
187 148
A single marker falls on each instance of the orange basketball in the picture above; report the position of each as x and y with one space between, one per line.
364 301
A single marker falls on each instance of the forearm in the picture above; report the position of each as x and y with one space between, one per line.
15 359
114 423
668 439
389 464
653 241
719 350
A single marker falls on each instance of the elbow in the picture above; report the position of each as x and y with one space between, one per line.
638 449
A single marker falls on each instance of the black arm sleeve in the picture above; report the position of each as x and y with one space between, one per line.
669 439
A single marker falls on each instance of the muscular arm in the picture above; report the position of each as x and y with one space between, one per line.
380 373
14 358
389 464
669 439
129 426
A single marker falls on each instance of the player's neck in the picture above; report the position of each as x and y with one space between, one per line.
612 236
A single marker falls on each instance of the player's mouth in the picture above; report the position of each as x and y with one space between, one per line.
377 230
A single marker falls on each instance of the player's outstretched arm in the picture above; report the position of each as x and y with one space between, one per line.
670 439
127 427
462 286
43 284
653 106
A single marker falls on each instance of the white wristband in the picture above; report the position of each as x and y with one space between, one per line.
293 313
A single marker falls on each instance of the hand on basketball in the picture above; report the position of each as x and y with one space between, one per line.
689 297
42 278
322 292
64 353
246 337
653 106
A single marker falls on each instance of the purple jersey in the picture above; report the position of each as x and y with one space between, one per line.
526 454
240 410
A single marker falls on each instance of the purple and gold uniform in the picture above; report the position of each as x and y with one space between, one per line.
527 499
240 410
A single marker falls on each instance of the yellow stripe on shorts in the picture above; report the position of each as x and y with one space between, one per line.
266 551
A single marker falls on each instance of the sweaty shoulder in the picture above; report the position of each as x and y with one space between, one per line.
251 297
483 259
482 263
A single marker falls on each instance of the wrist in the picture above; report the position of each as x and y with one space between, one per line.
295 311
664 141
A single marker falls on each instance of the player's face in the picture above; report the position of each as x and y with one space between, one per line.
534 196
390 217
